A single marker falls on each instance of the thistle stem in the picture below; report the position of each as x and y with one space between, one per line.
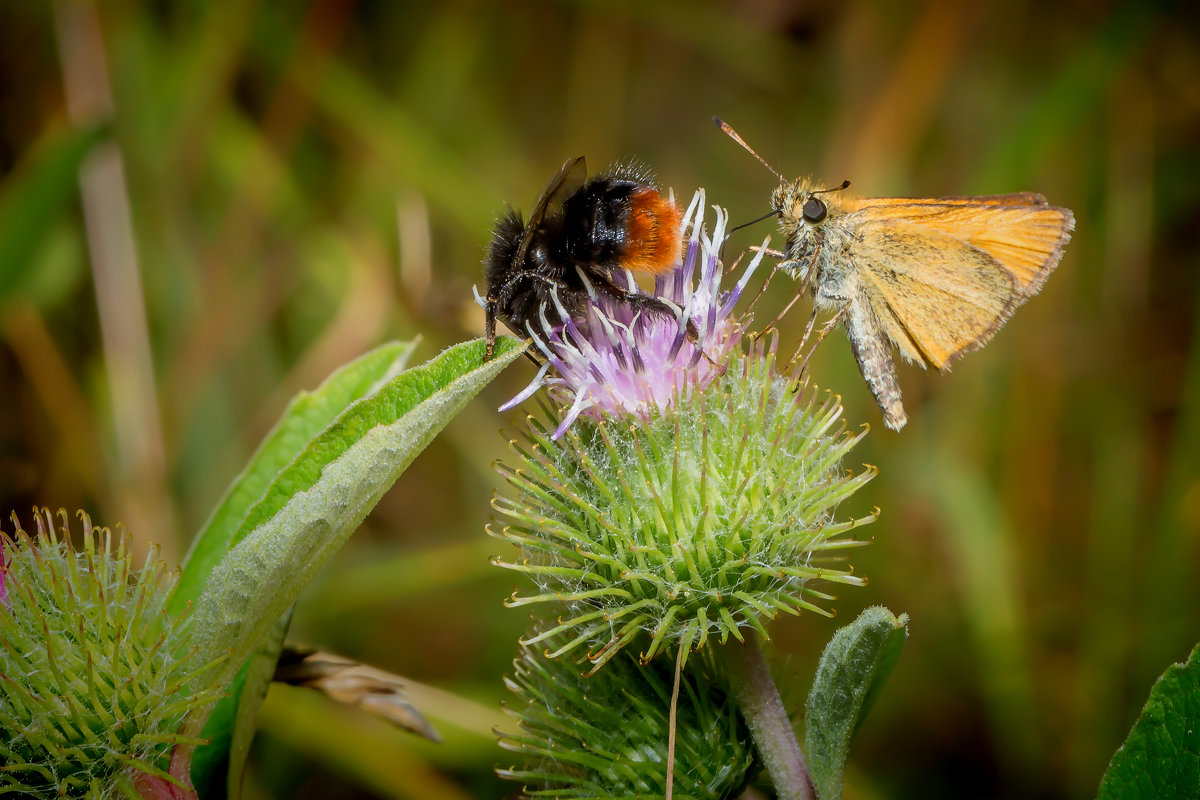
767 719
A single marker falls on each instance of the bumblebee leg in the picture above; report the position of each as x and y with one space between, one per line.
489 328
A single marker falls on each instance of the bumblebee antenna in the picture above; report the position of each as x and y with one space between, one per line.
732 134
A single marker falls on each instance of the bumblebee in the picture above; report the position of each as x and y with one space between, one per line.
581 233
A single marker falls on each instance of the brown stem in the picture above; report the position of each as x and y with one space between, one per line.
674 718
765 716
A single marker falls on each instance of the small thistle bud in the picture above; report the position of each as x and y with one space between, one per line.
94 679
701 510
607 736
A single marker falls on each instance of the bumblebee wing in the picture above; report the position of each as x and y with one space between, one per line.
564 182
1023 233
936 296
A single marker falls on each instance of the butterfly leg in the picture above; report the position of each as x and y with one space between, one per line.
762 290
795 299
803 269
821 334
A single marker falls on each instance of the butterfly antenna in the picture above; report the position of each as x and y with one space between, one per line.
845 185
770 213
732 134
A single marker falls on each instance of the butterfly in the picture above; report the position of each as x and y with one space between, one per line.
933 278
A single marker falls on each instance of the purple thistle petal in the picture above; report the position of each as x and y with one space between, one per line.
732 298
581 403
529 390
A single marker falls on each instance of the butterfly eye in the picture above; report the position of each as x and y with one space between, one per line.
814 210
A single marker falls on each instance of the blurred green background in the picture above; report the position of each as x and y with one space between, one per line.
207 206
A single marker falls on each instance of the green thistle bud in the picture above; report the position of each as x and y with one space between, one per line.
697 520
606 736
94 679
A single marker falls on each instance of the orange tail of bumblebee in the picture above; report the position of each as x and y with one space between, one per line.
653 238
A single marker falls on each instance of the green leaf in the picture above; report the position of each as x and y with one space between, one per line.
258 672
855 664
214 766
217 766
313 505
1161 757
306 416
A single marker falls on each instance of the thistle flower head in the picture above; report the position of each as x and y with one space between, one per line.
702 520
607 736
707 510
677 489
94 680
617 359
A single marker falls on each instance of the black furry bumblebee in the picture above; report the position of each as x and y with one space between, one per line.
580 231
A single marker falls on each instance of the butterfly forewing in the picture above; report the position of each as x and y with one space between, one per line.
936 296
1023 234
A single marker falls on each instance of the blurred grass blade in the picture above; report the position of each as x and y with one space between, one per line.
1174 543
378 760
1059 103
855 664
307 415
1161 757
34 196
399 141
313 505
985 558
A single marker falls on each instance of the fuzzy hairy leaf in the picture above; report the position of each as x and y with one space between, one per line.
315 503
855 664
306 416
217 766
1161 757
310 505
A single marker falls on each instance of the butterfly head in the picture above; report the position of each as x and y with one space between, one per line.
800 206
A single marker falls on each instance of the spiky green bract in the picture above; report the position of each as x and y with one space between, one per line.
94 679
606 736
710 516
